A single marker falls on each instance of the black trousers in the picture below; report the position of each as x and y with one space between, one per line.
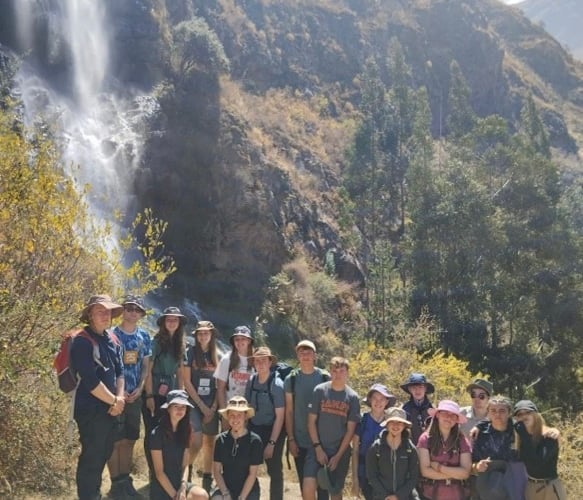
274 465
97 434
150 422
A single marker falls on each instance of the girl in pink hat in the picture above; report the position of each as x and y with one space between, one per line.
444 455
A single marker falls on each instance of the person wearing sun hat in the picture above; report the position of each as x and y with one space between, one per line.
99 397
164 368
418 387
169 443
265 394
378 399
392 464
238 454
202 359
445 454
480 391
540 454
136 349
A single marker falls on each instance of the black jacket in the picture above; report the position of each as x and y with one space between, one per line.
392 472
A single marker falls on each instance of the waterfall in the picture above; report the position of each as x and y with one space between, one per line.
85 20
98 127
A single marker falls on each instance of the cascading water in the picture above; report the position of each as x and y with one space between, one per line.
98 129
98 123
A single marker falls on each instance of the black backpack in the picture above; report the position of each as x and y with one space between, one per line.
280 370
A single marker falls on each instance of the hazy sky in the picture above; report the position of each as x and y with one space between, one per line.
510 2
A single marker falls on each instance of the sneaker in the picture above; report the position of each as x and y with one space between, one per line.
117 491
129 487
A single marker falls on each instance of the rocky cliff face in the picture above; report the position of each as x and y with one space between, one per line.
245 167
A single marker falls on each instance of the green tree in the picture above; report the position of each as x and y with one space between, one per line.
461 118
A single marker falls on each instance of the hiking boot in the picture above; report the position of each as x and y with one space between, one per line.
207 481
130 490
117 491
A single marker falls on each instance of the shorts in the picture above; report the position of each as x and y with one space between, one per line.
210 429
128 423
338 475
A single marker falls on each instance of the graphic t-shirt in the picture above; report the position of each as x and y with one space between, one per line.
135 347
237 379
202 377
334 410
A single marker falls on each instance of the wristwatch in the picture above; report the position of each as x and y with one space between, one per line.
315 445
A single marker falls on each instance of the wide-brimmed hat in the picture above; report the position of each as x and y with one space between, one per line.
306 343
264 352
105 301
238 403
241 331
326 481
395 414
172 311
524 405
381 389
177 397
202 326
451 407
416 379
134 300
480 383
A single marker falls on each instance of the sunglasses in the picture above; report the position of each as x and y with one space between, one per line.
480 395
132 309
237 402
498 411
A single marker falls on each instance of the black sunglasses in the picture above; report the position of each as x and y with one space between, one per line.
481 396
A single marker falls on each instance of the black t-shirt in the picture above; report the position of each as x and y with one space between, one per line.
236 458
172 455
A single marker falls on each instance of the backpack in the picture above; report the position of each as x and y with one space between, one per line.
66 374
280 370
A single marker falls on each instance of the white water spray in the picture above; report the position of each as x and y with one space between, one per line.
96 128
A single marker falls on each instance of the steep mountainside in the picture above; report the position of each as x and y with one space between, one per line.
245 166
561 18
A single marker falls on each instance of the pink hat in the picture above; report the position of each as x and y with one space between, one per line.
451 407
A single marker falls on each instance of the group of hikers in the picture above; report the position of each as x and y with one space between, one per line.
238 412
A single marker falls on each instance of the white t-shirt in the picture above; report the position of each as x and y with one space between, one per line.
237 379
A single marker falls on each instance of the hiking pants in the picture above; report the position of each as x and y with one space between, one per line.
551 489
96 434
300 461
274 465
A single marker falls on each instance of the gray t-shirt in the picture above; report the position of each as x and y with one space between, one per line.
334 410
257 395
473 420
303 388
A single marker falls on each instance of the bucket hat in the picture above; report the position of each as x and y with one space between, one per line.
172 311
449 406
202 326
264 352
415 379
241 331
480 383
326 481
524 405
395 414
105 301
238 403
134 300
381 389
177 397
